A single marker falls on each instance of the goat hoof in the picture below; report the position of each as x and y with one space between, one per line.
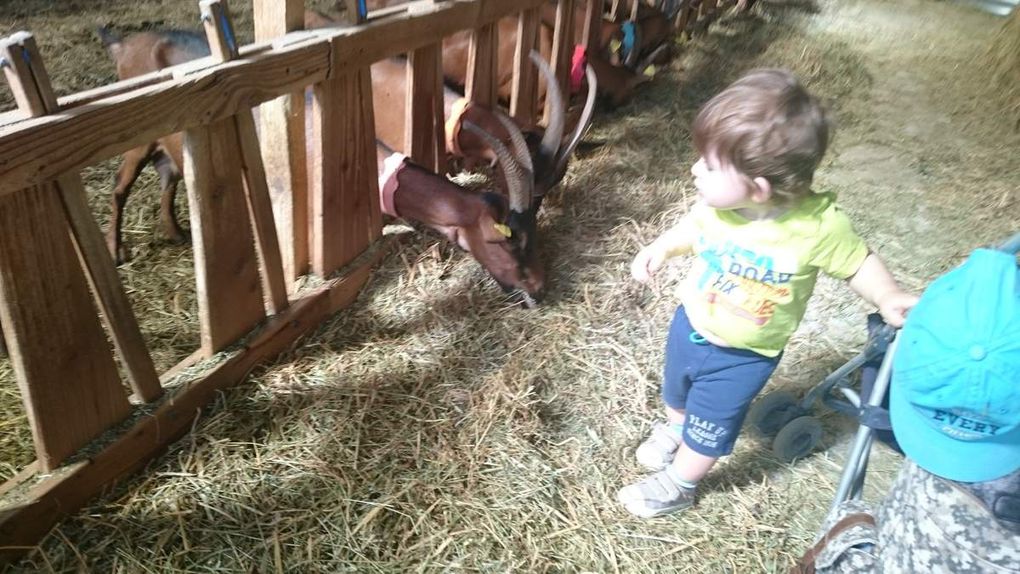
121 256
180 238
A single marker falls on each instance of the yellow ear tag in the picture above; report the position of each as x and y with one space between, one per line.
650 71
502 229
615 45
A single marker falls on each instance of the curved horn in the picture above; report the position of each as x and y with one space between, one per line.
647 61
517 139
553 97
518 181
582 125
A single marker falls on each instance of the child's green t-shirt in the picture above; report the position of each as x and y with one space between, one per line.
751 280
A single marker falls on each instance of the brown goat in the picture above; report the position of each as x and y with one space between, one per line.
498 230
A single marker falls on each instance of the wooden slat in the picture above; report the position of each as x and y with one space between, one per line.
357 11
423 132
63 364
219 30
30 84
220 33
54 498
282 123
592 24
38 150
482 67
260 213
524 90
563 48
344 190
226 269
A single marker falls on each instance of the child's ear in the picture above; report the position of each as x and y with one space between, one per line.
762 191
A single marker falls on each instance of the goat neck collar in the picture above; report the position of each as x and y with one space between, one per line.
388 182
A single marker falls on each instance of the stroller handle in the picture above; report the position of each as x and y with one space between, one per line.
1012 245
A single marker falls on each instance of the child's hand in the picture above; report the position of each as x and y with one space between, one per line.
646 263
894 307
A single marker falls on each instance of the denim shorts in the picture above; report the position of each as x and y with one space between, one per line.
714 384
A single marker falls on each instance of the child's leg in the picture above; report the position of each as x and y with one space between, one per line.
682 356
721 391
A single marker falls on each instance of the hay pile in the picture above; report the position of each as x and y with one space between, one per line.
1004 64
435 427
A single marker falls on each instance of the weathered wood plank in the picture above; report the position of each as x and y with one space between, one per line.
482 66
563 48
344 189
56 497
226 268
31 86
260 213
220 31
72 392
282 123
524 90
37 150
592 24
423 130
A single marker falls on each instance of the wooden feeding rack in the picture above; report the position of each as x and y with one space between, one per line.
262 215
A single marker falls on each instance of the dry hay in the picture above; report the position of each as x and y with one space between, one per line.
435 427
1004 64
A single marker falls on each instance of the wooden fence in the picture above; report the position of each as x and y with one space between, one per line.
261 216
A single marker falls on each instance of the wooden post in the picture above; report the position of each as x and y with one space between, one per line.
524 90
228 194
423 129
563 48
482 66
345 195
592 24
357 11
65 371
282 123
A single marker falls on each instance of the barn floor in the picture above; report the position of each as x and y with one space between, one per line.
434 427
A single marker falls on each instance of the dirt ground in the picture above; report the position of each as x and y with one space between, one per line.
434 427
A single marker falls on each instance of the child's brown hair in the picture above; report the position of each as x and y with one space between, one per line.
766 124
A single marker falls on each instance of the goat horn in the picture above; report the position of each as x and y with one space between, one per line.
640 69
553 135
517 139
518 181
582 124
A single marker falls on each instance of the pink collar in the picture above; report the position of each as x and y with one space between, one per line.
388 182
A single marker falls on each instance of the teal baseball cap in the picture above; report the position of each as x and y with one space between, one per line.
955 393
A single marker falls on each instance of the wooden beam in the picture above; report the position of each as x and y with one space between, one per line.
344 187
282 123
424 121
482 66
226 268
524 90
58 496
38 150
31 86
592 24
220 33
563 48
71 393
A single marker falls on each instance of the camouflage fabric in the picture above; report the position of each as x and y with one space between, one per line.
925 524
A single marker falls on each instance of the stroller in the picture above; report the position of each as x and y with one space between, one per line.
795 433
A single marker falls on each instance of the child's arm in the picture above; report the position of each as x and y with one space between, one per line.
676 240
876 285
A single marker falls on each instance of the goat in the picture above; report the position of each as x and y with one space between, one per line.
496 229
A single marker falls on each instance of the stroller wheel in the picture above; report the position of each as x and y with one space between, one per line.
771 412
797 439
